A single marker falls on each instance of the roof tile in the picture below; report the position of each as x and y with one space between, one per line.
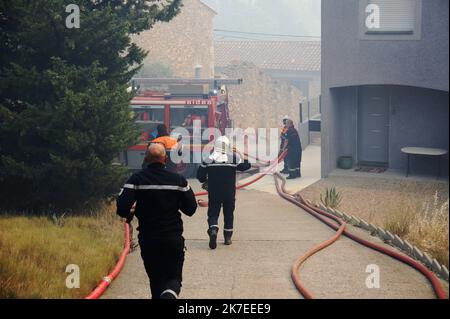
277 55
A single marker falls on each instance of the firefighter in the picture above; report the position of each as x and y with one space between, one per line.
169 144
219 170
294 153
283 144
160 195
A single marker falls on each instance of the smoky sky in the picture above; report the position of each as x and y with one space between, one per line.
287 17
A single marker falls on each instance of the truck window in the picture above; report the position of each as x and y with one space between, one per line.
148 118
183 116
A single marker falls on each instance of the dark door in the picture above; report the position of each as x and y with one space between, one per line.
373 125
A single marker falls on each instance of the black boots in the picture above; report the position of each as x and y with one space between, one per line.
227 235
212 232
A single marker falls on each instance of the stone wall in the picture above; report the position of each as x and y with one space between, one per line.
184 42
260 101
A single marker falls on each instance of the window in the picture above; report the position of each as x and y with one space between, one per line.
183 116
398 19
148 118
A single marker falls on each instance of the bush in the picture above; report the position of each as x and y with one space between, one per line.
425 226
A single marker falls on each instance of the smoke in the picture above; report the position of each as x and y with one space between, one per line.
289 17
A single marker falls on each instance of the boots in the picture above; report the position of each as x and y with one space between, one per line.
212 232
294 174
227 236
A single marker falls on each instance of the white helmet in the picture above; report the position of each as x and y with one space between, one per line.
222 144
221 150
286 117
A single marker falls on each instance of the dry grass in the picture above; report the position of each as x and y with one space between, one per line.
34 253
426 226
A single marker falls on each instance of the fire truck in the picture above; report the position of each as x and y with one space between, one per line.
173 102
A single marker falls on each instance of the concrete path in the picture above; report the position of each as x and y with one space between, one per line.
270 234
310 173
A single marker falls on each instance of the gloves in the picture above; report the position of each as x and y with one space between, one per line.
205 186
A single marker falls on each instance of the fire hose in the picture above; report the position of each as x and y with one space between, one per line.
314 211
100 289
320 214
272 166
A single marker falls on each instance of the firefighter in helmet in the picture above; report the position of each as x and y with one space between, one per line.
219 170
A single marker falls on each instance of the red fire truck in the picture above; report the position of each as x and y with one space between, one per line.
175 103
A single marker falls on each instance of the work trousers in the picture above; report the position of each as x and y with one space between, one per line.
294 160
163 261
214 206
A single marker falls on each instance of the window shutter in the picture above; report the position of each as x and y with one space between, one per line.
396 16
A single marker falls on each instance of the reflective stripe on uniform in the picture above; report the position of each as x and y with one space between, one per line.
158 187
219 165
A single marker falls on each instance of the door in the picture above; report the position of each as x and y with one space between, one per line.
373 125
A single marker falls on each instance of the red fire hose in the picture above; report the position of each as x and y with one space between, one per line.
272 166
98 292
319 214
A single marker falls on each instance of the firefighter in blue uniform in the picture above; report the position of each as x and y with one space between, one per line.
160 196
219 171
294 151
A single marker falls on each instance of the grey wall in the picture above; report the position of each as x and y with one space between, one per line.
348 60
303 131
418 117
346 100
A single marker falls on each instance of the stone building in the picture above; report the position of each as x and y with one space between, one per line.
296 62
280 78
260 101
185 43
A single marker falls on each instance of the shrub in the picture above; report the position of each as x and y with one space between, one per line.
426 226
331 198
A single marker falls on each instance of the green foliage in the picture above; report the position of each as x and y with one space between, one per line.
331 198
64 108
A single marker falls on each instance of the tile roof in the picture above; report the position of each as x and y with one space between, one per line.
276 55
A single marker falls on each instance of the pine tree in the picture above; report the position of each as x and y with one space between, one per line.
64 107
